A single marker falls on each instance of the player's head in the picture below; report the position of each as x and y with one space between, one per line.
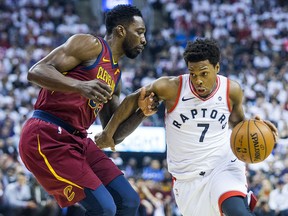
126 23
202 58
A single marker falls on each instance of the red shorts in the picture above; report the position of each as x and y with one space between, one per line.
64 164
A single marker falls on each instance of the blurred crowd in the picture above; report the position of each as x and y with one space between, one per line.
253 37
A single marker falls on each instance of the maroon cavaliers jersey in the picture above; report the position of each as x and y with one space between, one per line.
73 108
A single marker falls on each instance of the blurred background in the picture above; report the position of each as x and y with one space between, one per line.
253 36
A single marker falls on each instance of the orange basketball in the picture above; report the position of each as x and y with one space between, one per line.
252 141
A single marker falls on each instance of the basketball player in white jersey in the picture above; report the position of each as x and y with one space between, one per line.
201 108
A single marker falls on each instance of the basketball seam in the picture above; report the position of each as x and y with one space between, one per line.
234 141
263 138
248 129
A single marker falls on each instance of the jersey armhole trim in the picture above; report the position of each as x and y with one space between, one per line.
227 96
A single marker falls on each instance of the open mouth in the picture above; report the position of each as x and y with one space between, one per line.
139 50
201 90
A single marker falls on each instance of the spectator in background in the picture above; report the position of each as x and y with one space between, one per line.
153 171
263 209
18 197
278 199
131 169
2 201
117 160
46 205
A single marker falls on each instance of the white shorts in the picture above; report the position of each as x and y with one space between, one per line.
204 194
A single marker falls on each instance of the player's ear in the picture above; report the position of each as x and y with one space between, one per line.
217 67
121 31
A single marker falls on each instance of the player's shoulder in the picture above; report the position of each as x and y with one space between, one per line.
168 80
86 44
235 90
234 85
165 87
83 39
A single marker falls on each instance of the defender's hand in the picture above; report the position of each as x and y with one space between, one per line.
95 90
102 140
271 126
148 103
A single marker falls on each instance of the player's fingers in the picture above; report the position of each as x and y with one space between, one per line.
142 93
271 126
105 87
275 136
155 102
103 91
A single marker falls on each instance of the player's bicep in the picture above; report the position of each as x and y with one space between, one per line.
236 99
76 50
163 87
60 60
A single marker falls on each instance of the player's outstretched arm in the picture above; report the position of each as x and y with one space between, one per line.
147 106
127 117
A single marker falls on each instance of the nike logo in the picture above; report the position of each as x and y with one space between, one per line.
186 99
234 160
117 71
105 60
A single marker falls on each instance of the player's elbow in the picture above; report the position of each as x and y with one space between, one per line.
30 75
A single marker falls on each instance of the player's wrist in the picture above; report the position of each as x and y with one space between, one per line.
140 113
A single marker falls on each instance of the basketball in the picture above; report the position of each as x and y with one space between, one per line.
252 141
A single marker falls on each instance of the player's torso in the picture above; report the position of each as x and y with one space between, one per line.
74 108
197 128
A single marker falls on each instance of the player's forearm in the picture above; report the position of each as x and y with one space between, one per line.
128 126
46 76
125 111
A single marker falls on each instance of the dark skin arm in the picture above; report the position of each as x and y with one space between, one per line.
109 108
164 88
134 120
79 49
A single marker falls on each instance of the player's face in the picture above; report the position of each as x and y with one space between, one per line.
203 76
135 38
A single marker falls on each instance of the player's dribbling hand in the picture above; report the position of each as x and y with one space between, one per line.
271 126
102 140
148 103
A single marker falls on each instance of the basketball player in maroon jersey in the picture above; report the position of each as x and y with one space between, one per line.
81 80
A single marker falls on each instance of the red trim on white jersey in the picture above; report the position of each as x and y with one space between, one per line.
228 98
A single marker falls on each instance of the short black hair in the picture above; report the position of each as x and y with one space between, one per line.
120 15
202 49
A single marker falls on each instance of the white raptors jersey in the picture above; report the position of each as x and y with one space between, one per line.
197 130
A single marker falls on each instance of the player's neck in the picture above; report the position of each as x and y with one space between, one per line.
115 47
